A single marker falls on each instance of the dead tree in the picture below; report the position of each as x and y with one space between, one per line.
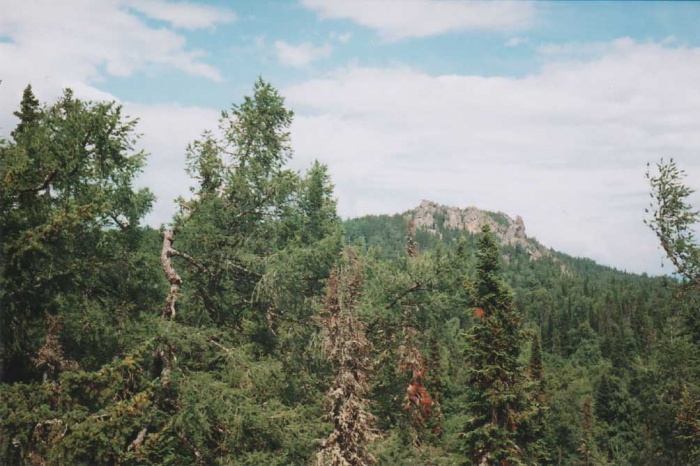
346 347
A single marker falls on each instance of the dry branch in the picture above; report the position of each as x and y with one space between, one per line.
173 277
138 441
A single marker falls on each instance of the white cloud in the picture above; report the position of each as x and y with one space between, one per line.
578 50
566 148
300 55
75 43
167 129
515 41
342 38
183 14
54 44
399 19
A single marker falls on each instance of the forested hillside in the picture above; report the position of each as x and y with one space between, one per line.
257 328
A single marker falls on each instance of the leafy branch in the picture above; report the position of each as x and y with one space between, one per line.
673 218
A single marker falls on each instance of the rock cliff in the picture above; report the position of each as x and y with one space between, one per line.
434 217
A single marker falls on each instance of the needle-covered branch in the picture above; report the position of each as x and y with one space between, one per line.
673 219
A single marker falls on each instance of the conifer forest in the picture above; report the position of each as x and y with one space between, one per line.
257 327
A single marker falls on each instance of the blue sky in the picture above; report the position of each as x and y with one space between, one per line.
548 110
245 47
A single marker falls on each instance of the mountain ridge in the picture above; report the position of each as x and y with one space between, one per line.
433 217
435 223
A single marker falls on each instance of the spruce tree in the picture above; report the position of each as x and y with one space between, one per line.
29 113
533 426
69 217
604 400
495 379
536 367
587 452
687 423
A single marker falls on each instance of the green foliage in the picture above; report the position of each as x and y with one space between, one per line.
673 219
565 361
494 377
592 319
71 236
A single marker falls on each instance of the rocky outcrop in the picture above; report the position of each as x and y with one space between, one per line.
433 217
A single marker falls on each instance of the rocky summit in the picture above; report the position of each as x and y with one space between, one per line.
434 217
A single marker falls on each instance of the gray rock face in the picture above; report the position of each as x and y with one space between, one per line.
512 232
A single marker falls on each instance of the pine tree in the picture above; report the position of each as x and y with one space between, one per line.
69 216
495 379
687 423
75 263
536 367
319 217
587 454
605 399
28 113
533 421
231 225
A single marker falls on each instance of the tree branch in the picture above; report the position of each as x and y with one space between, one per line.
416 286
191 260
45 184
122 226
138 441
170 273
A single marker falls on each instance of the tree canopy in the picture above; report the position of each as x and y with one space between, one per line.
258 327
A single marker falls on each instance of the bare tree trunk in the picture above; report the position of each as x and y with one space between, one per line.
165 352
173 277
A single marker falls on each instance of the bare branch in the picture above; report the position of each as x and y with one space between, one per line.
193 448
191 260
138 441
170 273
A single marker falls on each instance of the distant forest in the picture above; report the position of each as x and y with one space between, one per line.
258 328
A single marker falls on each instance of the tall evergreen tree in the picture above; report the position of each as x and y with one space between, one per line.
28 113
231 225
494 376
687 423
75 276
532 432
587 451
252 276
536 365
69 216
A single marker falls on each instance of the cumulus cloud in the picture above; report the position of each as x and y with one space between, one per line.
75 43
56 44
167 130
566 147
399 19
183 15
300 55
